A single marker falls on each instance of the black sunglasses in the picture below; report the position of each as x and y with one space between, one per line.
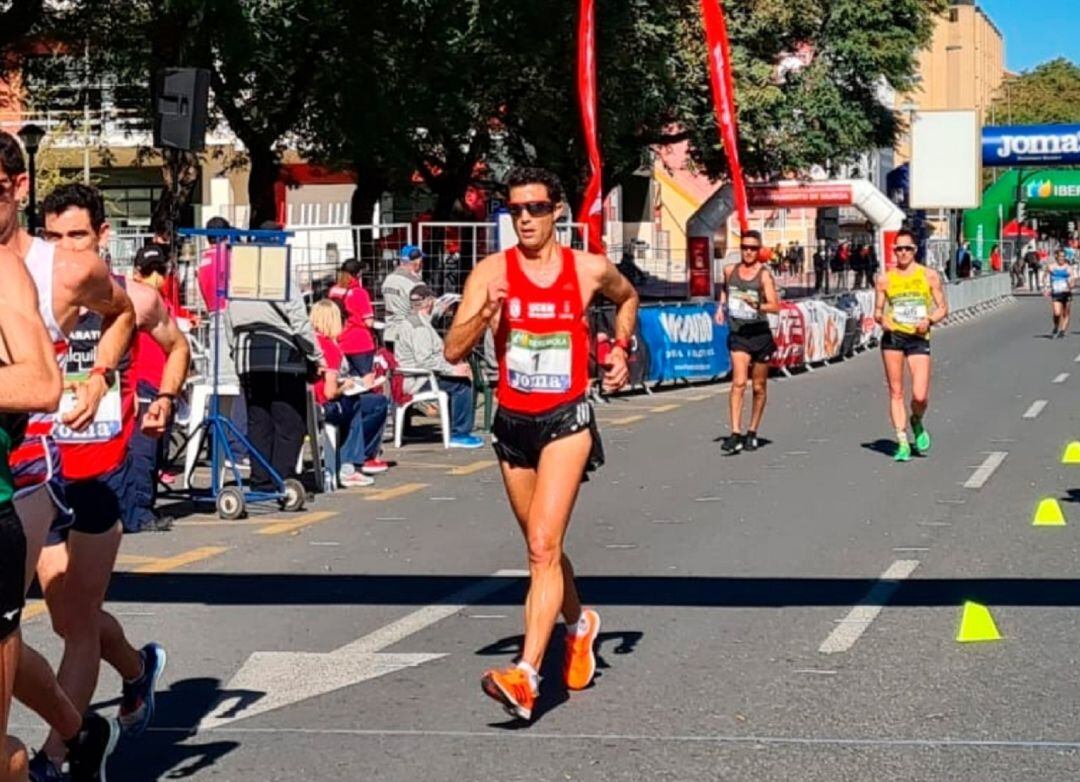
748 247
534 208
904 248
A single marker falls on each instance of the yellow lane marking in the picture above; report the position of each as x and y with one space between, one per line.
628 420
165 564
132 559
395 492
223 523
298 523
698 397
665 408
35 608
469 469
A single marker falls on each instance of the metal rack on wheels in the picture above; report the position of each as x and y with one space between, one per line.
231 500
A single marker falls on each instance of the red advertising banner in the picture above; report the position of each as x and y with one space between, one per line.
789 334
805 196
723 90
592 205
700 255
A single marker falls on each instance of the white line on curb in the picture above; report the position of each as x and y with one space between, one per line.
851 627
983 472
1036 408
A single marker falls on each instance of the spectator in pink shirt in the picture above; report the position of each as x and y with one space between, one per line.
356 341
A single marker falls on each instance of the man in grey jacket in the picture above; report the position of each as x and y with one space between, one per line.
396 289
273 346
419 346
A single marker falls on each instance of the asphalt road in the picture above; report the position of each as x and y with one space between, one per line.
747 631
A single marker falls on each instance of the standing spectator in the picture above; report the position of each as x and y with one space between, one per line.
1031 261
995 259
843 263
151 268
356 340
348 403
396 289
419 346
273 347
821 270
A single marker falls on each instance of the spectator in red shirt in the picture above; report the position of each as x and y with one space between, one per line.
348 402
356 341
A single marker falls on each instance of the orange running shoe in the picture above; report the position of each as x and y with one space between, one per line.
511 688
580 665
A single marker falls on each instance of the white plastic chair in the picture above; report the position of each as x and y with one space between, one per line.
431 395
200 405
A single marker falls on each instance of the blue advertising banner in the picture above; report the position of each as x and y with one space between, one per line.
1014 145
684 342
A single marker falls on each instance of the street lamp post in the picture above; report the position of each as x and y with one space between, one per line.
31 136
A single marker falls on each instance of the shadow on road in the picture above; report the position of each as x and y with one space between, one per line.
163 753
269 589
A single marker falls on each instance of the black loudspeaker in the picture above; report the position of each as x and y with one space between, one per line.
181 96
827 224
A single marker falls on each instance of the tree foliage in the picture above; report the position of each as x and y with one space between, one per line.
1047 94
448 92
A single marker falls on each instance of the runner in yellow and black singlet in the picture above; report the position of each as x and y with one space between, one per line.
910 301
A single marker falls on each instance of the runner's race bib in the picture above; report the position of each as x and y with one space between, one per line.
1059 285
741 304
539 362
107 423
909 312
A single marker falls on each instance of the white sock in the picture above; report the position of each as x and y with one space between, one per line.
580 627
534 677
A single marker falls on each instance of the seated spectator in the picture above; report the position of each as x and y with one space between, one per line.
348 402
419 346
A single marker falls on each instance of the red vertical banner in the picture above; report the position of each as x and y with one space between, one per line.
592 204
723 90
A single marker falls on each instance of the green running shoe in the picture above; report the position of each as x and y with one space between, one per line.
922 437
903 452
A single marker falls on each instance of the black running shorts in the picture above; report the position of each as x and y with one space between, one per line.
754 339
518 439
1064 298
908 344
12 570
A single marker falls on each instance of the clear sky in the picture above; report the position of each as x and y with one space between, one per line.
1036 30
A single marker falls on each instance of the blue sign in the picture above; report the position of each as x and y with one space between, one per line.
1021 145
684 342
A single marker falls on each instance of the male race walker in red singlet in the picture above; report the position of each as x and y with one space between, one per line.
534 297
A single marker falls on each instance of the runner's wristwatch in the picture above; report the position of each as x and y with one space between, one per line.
106 374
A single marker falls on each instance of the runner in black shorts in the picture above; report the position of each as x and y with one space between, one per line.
749 295
1060 281
534 297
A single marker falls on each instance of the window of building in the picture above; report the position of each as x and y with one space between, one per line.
954 15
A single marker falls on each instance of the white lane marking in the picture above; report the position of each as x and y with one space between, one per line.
1077 359
851 627
285 678
1062 377
1036 408
982 474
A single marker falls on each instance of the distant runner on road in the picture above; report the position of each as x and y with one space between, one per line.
534 297
748 296
909 302
1061 279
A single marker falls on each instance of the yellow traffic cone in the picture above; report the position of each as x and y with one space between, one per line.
1072 453
976 624
1048 514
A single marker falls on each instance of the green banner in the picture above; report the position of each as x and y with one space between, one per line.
1052 190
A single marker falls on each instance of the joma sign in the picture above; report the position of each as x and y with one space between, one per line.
1031 144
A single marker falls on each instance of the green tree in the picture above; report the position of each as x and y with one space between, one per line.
1047 94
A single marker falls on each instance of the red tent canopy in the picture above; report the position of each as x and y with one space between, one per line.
1014 229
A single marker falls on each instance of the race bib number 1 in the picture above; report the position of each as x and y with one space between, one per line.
539 362
106 425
